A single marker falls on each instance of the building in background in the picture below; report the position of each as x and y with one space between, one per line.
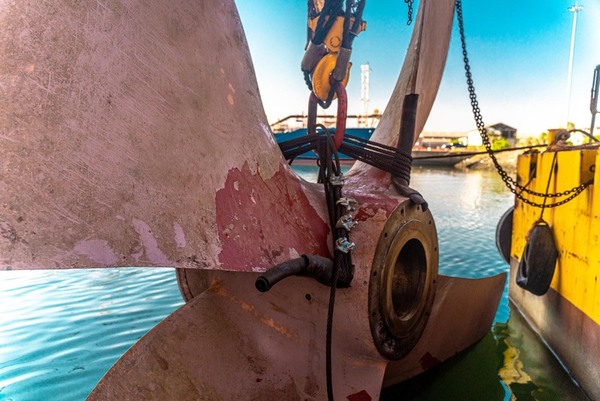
495 131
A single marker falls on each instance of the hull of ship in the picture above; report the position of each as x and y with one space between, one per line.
567 317
436 158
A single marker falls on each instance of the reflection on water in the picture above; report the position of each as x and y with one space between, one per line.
60 331
510 363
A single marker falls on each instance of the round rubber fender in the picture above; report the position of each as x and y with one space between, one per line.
504 233
538 262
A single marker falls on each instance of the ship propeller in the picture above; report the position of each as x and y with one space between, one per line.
133 135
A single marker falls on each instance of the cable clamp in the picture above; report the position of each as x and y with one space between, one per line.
343 245
346 222
349 203
337 180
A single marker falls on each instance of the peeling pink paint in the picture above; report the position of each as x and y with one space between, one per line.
153 252
370 207
259 221
179 235
98 251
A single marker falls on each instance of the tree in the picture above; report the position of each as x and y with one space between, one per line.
500 143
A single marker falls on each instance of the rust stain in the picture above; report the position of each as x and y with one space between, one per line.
249 308
360 396
428 361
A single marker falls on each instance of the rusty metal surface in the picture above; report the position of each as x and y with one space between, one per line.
232 342
462 314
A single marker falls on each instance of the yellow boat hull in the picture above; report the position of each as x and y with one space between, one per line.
567 317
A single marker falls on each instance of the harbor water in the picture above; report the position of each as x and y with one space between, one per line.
60 331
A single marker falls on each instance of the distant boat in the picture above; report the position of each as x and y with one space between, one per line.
294 126
438 157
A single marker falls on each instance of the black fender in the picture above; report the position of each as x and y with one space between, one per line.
538 262
504 233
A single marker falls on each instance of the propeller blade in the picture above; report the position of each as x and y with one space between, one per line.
134 135
232 342
422 70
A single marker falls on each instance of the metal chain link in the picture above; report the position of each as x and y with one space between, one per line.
510 183
409 3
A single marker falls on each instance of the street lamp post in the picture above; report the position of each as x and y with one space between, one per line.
574 9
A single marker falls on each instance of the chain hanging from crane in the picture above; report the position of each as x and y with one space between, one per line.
410 5
510 183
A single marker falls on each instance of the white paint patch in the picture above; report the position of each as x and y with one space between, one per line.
266 131
153 252
179 235
381 215
293 253
98 251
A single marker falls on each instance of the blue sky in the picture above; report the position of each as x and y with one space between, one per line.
519 54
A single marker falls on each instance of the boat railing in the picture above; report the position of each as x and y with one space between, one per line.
297 121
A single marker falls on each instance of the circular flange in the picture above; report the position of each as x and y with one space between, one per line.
403 279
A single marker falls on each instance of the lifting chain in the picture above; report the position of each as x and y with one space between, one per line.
409 18
510 183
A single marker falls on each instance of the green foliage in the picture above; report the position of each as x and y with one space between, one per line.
499 144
